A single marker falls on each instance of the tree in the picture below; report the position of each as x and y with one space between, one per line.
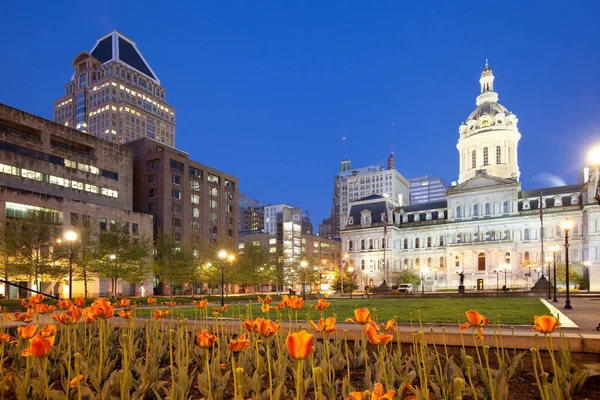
561 273
277 266
172 263
31 243
4 257
120 254
83 252
405 276
250 266
349 279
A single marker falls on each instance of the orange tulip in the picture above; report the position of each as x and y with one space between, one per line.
250 326
39 346
102 309
88 315
322 305
205 339
220 310
378 394
158 314
266 327
75 381
64 304
374 338
125 314
48 330
170 303
238 344
123 303
320 327
299 344
37 299
202 304
80 302
5 337
72 315
25 317
390 326
44 309
475 320
27 332
296 302
266 307
362 316
285 301
151 300
545 323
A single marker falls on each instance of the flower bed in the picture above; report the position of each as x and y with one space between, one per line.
85 356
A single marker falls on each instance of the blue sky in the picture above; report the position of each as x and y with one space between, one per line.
266 90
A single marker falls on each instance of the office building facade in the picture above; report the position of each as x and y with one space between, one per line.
426 190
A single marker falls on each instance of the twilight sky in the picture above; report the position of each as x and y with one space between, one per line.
266 90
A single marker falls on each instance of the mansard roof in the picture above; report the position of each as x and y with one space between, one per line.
377 208
434 205
550 191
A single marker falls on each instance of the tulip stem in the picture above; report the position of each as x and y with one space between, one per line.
267 345
299 381
46 378
208 375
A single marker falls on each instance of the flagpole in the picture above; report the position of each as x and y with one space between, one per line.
542 231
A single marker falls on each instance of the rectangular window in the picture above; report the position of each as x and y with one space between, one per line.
195 199
214 230
195 225
213 204
229 184
152 178
214 179
196 173
125 227
176 179
229 196
213 217
152 164
230 232
195 186
102 224
134 228
176 208
176 193
176 222
498 155
152 208
152 193
177 236
196 212
230 208
74 219
176 165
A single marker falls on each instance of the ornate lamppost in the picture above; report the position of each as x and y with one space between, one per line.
70 237
222 256
554 251
567 226
303 265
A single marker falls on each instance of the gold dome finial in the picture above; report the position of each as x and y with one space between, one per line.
487 68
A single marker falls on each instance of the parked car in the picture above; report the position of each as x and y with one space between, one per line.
405 288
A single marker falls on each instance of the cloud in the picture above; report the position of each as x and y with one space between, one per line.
552 180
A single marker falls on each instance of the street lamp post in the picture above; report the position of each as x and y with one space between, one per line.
424 271
113 257
496 271
70 237
350 270
567 225
505 267
587 264
303 264
342 275
222 256
549 281
554 251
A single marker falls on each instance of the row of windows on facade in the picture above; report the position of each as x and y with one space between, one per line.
193 172
57 180
376 178
213 229
486 157
478 236
194 186
487 209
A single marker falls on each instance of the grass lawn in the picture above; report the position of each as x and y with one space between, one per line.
512 311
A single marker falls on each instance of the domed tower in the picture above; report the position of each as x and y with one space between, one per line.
489 137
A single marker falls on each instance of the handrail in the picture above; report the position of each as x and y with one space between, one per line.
28 289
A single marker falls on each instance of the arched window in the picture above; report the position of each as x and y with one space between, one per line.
441 240
526 234
485 156
405 263
558 231
488 209
507 258
428 242
442 262
458 238
481 262
383 243
371 264
458 212
498 155
362 265
362 244
505 207
428 262
474 159
506 235
370 244
405 244
416 243
457 261
350 245
475 210
526 258
417 263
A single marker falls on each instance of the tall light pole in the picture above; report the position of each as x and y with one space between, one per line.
222 255
554 251
587 264
342 270
505 267
567 225
113 257
548 260
303 265
351 270
424 271
71 236
496 271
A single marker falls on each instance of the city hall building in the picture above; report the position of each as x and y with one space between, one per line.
488 227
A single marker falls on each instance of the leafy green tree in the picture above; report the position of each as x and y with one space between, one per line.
5 269
277 266
349 279
405 276
172 263
31 242
84 253
561 273
120 254
250 266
